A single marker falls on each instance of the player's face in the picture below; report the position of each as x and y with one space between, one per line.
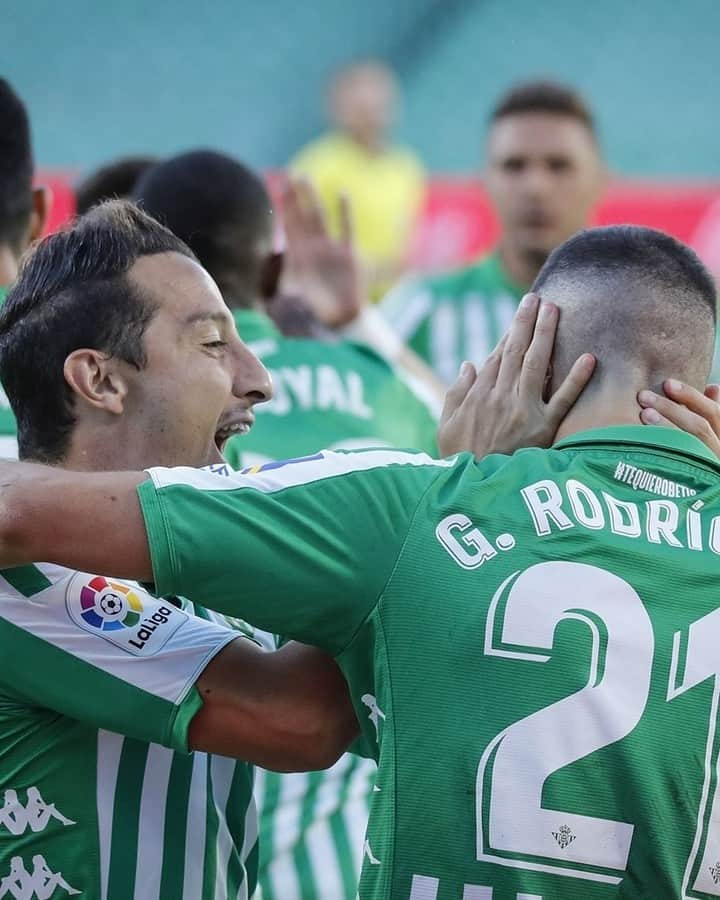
365 105
544 176
200 381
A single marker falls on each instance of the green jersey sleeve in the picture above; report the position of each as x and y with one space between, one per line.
103 652
302 548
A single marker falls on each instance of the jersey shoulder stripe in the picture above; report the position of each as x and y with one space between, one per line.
277 476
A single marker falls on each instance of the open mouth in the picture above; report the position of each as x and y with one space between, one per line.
237 425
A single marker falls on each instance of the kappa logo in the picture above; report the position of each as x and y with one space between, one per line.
123 614
35 815
40 884
375 714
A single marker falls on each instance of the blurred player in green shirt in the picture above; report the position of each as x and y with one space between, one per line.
544 174
332 393
23 215
530 640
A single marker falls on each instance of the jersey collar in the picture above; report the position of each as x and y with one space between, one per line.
654 436
254 325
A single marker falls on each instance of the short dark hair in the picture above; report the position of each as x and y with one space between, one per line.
660 260
73 292
16 168
220 208
115 180
637 298
543 96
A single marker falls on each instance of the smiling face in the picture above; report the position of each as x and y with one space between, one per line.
200 382
544 176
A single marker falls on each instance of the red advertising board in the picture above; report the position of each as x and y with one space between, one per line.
458 222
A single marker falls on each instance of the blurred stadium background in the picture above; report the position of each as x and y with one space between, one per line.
107 79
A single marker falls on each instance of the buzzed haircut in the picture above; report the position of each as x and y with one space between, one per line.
221 209
635 297
543 96
16 168
113 181
73 291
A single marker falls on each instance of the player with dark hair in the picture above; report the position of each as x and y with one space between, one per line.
529 640
23 215
327 394
117 351
544 174
113 181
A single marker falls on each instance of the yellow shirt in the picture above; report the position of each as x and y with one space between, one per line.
385 189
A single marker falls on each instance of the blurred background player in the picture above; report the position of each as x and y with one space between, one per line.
23 214
385 183
115 180
544 174
326 394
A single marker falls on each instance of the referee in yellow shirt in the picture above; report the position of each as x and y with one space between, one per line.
385 183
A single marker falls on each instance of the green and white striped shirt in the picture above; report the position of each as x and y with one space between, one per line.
99 796
454 316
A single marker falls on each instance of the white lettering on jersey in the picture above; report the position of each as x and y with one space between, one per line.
460 546
123 614
666 522
35 815
641 480
317 387
41 884
375 712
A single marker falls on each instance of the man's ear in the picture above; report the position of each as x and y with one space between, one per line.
95 379
41 203
270 273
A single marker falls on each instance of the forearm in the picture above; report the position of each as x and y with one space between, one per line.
87 521
288 710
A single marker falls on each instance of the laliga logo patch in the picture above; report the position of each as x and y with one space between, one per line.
126 616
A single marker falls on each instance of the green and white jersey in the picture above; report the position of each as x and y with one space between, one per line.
99 796
8 428
326 395
530 641
454 316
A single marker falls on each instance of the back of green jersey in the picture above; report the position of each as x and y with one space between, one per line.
334 395
546 719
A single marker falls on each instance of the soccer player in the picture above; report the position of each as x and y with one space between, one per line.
116 360
385 183
529 640
325 394
544 174
23 215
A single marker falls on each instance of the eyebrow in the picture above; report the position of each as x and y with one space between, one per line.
220 318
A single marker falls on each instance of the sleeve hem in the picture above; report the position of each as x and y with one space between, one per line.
162 553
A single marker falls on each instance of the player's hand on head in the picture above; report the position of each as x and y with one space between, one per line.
503 406
686 408
323 270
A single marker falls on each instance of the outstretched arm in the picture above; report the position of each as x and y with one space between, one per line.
86 521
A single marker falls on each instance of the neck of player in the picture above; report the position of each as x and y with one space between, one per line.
606 406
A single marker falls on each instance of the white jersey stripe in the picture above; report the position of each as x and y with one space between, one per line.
356 809
405 311
319 837
195 830
251 830
151 824
281 871
293 473
222 771
444 336
108 764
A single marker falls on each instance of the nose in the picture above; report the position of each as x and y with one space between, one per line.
251 378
